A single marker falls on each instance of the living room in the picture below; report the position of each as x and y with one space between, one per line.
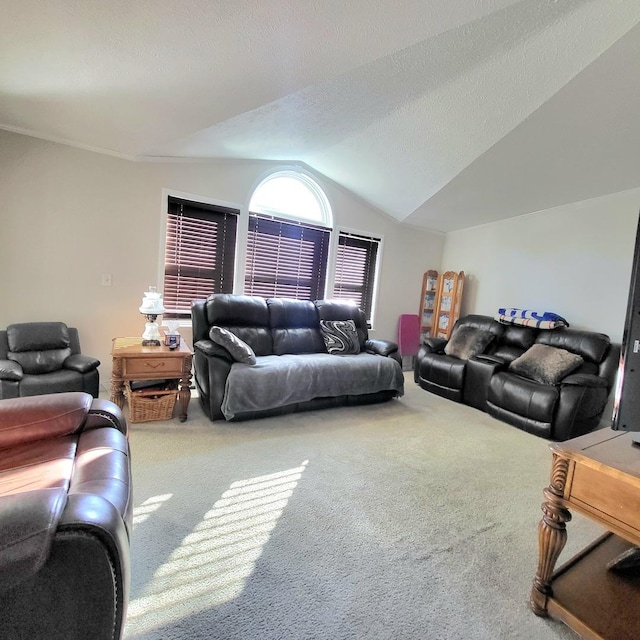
539 209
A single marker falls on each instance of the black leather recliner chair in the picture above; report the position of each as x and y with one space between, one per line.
65 518
44 357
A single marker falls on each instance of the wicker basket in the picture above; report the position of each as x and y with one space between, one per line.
147 405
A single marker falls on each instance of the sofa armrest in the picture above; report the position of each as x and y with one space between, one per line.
104 413
585 380
489 359
434 345
10 370
81 363
41 417
380 347
477 378
29 520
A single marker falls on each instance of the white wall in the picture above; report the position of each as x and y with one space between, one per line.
574 260
69 216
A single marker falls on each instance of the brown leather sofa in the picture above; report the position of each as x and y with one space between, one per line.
492 381
65 518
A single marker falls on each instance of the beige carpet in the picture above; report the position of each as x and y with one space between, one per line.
414 519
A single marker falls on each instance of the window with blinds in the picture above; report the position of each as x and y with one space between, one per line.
199 254
356 270
285 259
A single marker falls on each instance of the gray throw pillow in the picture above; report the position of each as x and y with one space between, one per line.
240 351
340 336
467 342
545 364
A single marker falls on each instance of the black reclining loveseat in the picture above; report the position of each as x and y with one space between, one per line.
276 361
553 383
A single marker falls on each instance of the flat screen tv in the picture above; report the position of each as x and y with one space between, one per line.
626 402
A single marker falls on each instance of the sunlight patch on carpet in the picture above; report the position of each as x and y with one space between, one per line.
212 563
141 513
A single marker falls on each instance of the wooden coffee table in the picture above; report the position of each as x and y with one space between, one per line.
132 361
598 476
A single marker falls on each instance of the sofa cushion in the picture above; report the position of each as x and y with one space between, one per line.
39 362
467 342
340 336
38 336
522 402
245 316
294 326
544 364
240 351
519 337
592 346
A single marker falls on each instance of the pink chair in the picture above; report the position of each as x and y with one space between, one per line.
408 336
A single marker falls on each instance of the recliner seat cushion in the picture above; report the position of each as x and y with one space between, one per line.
442 370
523 397
63 380
39 362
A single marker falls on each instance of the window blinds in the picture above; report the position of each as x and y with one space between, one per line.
356 269
285 259
199 254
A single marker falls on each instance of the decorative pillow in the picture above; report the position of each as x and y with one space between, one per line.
340 336
240 351
467 342
544 364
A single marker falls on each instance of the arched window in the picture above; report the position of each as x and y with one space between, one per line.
293 195
288 243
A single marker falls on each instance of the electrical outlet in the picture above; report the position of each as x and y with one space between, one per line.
106 280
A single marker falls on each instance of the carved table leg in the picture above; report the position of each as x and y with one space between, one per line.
552 535
117 384
184 395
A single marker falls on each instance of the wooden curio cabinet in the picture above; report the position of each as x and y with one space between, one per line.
447 303
428 303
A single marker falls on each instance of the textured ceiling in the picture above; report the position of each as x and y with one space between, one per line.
442 113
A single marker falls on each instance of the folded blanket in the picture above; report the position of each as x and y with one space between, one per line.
531 322
549 316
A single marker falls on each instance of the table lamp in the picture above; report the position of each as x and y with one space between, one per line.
152 306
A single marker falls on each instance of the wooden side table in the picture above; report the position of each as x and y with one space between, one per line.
598 476
132 361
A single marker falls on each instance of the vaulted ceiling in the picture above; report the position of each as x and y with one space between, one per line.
441 113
